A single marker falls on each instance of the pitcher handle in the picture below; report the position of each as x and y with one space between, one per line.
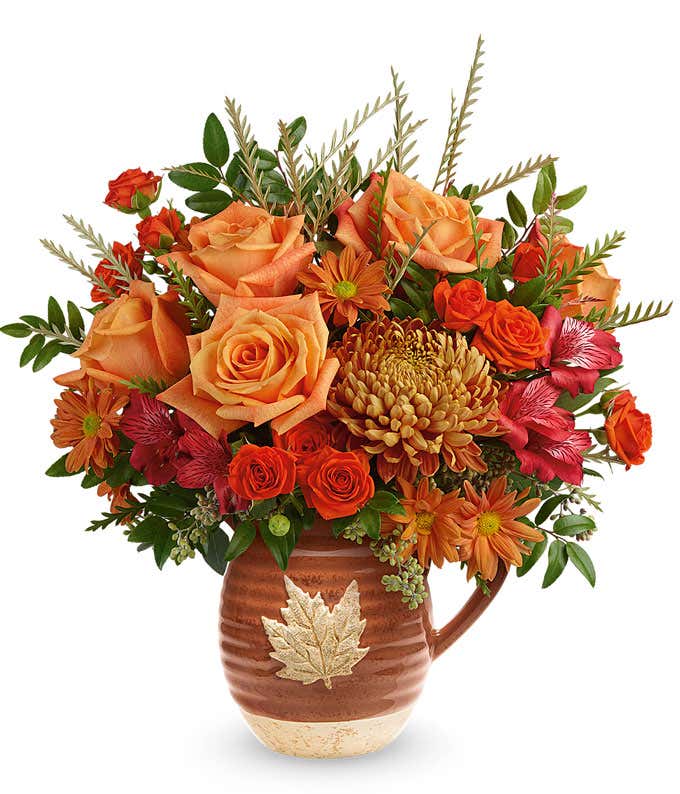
443 638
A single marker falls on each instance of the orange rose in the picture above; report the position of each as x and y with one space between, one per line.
305 438
512 338
409 208
336 483
629 431
463 306
261 472
529 257
122 189
262 360
596 290
159 231
244 251
140 334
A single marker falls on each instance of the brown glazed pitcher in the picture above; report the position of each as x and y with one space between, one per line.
351 660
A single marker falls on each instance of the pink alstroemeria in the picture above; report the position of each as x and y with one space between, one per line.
156 432
204 461
542 434
577 352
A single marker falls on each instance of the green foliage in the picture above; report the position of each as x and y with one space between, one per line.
542 193
280 546
581 560
241 540
215 143
50 336
196 176
58 468
146 386
198 308
403 147
531 559
557 562
514 174
620 318
518 215
569 200
209 202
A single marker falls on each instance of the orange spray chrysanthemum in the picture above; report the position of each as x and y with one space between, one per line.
347 284
490 529
86 420
429 523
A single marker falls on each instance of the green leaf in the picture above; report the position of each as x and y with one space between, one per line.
46 355
263 508
401 309
531 560
215 142
209 202
548 507
557 561
296 132
526 294
147 530
581 559
573 525
370 520
509 236
90 480
33 321
17 330
162 547
265 160
551 174
215 550
197 181
76 323
495 288
275 188
568 200
243 536
280 546
387 502
55 315
542 193
31 350
518 215
58 468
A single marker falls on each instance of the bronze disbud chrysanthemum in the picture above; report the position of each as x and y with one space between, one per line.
412 394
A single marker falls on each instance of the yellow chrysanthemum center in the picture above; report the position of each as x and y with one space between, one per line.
91 424
488 524
345 289
424 522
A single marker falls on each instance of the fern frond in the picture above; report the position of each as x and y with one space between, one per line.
97 244
462 122
248 149
375 215
341 137
513 174
395 269
196 170
199 310
442 172
401 121
79 266
293 162
629 316
332 190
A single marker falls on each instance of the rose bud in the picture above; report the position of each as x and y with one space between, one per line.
133 190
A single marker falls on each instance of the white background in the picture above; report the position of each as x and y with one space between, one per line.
109 675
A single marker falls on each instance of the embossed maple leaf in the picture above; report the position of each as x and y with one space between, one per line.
316 643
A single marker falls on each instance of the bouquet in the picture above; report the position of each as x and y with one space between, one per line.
320 339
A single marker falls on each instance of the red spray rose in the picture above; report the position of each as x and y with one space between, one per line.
105 271
122 189
629 430
262 472
159 232
463 306
336 483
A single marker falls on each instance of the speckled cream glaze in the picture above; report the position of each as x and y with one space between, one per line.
328 739
387 680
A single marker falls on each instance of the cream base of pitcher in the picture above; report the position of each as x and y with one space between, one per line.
328 739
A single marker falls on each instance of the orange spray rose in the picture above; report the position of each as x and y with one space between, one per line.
261 472
122 189
159 231
336 483
463 306
629 430
512 338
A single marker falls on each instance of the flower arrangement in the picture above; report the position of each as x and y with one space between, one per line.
323 339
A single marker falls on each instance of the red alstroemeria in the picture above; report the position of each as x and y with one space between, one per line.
577 352
542 434
204 461
156 433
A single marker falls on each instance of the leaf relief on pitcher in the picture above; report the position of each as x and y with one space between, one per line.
317 643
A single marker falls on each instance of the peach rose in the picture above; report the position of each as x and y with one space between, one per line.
140 334
410 208
244 251
261 360
596 290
